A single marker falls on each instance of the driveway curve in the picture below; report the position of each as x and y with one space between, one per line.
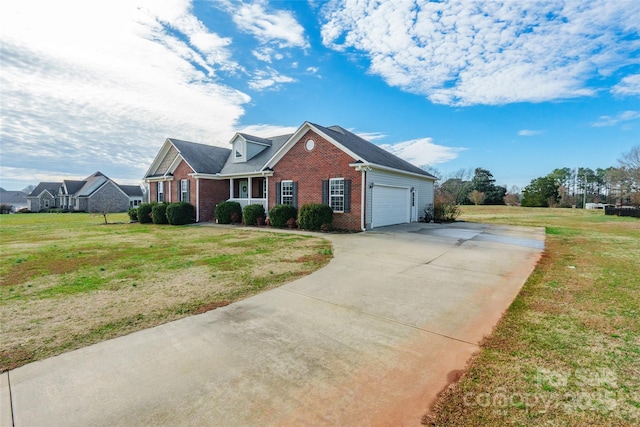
370 339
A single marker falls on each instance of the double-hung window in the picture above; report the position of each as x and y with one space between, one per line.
184 190
286 192
160 197
336 194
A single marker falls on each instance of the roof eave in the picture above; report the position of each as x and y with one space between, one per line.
363 165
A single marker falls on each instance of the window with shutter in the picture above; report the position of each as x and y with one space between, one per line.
336 194
286 192
184 190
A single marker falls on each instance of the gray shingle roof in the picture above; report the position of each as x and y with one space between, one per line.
52 187
91 184
368 151
132 190
73 186
258 161
201 157
265 141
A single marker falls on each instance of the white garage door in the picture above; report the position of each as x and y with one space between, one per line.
390 205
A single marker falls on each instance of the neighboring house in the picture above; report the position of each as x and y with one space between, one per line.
44 196
135 194
96 193
16 199
366 186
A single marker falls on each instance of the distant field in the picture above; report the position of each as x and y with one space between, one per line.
68 281
567 352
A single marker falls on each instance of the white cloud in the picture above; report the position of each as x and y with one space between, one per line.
280 27
313 70
423 152
479 52
628 86
529 132
105 82
268 79
267 130
624 116
267 54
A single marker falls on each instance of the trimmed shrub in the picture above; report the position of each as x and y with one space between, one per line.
144 212
445 212
314 216
280 214
251 213
228 212
181 213
133 214
159 213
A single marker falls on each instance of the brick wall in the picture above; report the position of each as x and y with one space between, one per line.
310 168
212 192
182 172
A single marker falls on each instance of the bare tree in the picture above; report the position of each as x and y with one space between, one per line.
456 186
477 197
630 162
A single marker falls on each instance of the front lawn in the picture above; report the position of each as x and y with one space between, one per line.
567 352
68 281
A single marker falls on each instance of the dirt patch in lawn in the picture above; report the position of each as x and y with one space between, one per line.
69 294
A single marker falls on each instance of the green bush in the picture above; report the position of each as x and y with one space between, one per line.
133 214
228 212
251 213
144 212
280 214
159 213
181 213
445 212
314 216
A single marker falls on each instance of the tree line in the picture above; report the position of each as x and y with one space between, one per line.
562 187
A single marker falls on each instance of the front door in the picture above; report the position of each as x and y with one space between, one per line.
244 184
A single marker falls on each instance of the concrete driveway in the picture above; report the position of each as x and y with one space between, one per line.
368 340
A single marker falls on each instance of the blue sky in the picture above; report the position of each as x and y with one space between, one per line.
516 87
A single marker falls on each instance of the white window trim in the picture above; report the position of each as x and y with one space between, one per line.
184 183
160 191
239 147
336 196
282 195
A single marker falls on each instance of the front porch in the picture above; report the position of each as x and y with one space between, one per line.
249 191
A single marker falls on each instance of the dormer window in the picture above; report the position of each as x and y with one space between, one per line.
239 154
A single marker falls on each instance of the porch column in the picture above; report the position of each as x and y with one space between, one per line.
266 195
231 195
249 192
197 199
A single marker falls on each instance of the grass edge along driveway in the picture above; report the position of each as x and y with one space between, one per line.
67 281
566 352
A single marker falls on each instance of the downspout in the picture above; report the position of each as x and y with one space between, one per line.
197 200
363 206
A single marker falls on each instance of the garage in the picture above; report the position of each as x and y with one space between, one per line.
390 205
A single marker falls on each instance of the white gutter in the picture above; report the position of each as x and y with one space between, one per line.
159 178
363 226
197 200
359 166
231 175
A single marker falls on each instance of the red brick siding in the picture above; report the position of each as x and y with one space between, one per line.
310 168
212 192
182 172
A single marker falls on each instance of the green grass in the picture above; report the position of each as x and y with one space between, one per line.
67 280
567 352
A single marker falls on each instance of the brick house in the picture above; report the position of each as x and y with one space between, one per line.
95 193
366 186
